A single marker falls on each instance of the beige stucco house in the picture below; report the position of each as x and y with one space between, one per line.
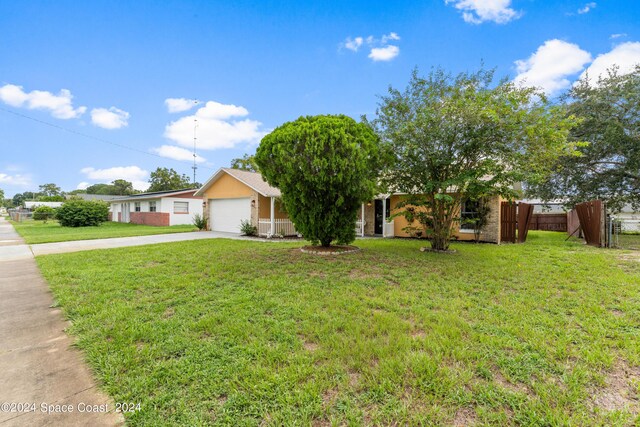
231 196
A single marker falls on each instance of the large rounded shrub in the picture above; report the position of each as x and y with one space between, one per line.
44 213
82 213
325 168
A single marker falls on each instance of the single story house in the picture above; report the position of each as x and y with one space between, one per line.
231 196
629 219
31 205
160 208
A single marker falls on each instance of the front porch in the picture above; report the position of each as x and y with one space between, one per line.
371 221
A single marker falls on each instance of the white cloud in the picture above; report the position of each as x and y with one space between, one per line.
353 44
587 8
626 56
178 105
82 185
391 36
216 127
617 35
551 65
479 11
380 49
60 106
177 153
134 174
18 180
112 118
386 53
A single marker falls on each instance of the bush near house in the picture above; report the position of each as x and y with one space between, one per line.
83 213
325 167
44 213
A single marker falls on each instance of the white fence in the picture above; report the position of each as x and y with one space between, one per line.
283 227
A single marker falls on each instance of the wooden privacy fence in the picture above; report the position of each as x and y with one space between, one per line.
514 221
549 222
525 213
590 215
508 222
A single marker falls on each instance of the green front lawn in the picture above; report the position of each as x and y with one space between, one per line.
38 232
230 332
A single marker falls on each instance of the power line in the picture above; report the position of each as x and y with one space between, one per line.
95 138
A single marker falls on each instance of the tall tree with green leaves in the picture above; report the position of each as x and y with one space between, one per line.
458 138
245 163
50 190
122 187
607 166
325 167
163 179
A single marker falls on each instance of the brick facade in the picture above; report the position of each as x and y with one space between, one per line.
150 218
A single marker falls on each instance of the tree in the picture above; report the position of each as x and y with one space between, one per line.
99 189
462 138
163 179
50 190
19 198
245 163
607 166
325 168
122 187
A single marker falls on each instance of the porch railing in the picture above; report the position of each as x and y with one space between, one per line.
283 227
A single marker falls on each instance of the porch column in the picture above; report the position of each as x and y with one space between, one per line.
273 217
362 221
384 219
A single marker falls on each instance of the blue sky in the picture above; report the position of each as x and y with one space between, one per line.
102 75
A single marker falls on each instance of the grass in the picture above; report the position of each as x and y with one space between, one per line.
40 232
629 241
223 332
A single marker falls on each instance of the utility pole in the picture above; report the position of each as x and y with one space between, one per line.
195 140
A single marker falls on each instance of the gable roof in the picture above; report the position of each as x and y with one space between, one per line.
156 195
252 180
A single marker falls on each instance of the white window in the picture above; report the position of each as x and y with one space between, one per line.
152 206
136 206
180 207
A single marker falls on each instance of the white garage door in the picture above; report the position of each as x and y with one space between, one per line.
226 214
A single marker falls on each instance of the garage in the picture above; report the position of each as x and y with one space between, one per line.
226 214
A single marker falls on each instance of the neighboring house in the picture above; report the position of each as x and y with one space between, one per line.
103 197
32 205
161 208
629 218
232 195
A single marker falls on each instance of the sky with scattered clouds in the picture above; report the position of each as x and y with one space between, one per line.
96 91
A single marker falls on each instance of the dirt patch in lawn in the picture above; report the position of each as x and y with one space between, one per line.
619 392
464 417
499 379
329 250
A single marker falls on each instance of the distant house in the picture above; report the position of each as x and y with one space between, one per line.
232 195
103 197
161 208
629 219
34 204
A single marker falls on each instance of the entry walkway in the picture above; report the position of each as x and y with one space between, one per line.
38 364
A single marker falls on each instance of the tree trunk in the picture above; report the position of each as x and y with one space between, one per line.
325 243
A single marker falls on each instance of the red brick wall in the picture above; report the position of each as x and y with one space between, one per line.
150 218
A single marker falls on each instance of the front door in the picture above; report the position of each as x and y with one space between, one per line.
125 212
379 217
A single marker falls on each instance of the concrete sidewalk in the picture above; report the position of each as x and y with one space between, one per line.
38 364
